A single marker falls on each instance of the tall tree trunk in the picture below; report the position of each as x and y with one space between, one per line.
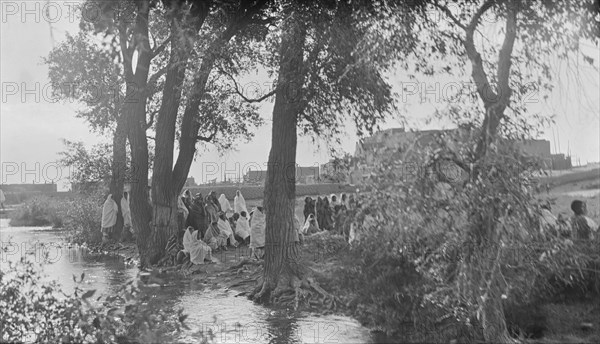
480 269
164 194
134 110
118 170
282 269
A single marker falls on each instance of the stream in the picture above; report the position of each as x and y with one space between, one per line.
232 319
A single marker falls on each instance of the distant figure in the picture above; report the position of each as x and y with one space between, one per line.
126 211
2 198
225 205
109 217
257 232
239 203
582 227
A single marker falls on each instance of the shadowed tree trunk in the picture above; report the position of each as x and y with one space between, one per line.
118 170
168 179
479 278
282 269
134 110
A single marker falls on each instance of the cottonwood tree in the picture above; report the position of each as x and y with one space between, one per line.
507 45
321 85
166 51
195 106
95 68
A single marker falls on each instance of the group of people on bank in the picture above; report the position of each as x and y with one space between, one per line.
328 214
211 224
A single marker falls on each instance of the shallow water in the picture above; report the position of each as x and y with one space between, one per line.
232 319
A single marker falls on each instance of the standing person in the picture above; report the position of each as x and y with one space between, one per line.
2 198
126 211
211 208
182 213
257 232
197 215
239 203
109 217
187 199
242 228
225 205
582 227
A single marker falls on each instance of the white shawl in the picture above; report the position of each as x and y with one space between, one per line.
242 227
225 205
197 249
126 211
226 231
239 203
257 229
109 212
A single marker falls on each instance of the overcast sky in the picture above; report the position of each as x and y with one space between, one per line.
32 126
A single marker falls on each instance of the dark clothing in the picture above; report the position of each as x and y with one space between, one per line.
197 217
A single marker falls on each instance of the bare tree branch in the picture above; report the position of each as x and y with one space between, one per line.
157 50
208 138
151 120
447 11
237 89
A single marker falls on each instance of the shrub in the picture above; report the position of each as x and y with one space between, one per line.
82 218
39 211
33 310
473 242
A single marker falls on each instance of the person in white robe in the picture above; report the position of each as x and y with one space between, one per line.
195 247
225 205
257 232
126 211
242 226
2 198
109 217
225 231
239 203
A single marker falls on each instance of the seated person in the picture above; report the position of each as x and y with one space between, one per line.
310 226
242 228
225 230
193 246
582 227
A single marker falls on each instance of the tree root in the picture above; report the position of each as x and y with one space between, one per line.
305 293
244 262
